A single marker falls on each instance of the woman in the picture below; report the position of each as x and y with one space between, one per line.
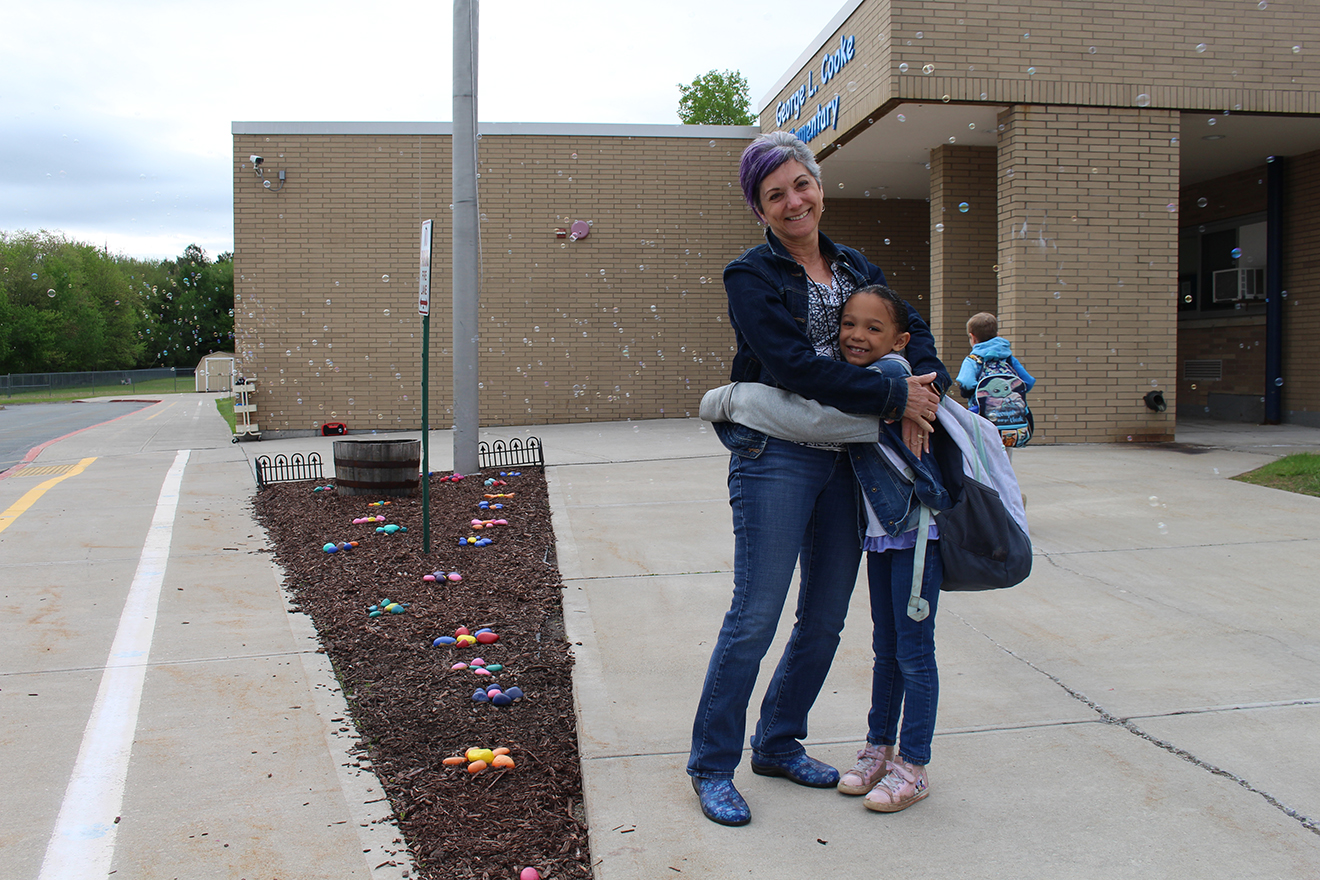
792 502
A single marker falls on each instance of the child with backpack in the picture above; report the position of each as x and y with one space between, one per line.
873 326
995 383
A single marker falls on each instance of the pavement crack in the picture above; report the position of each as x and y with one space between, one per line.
1131 727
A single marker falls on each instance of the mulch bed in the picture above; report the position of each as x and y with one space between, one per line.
411 709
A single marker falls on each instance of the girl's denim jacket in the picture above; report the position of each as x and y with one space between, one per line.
767 292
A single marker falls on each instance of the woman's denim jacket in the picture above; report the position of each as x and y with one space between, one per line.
767 292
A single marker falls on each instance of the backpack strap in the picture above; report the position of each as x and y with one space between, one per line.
918 608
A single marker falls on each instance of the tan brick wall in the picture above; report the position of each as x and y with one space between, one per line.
1088 271
964 244
893 234
1104 53
1239 343
1301 280
627 323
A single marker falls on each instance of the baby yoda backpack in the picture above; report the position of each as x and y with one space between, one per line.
1000 397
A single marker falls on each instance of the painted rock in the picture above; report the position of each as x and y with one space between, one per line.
443 640
486 638
502 699
514 693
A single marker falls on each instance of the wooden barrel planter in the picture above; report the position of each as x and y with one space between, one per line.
377 467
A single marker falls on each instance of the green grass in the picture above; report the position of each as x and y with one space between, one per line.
167 385
226 407
1293 473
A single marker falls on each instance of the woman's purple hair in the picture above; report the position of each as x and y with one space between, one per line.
764 155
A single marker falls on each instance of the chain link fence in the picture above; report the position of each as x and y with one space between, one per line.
95 383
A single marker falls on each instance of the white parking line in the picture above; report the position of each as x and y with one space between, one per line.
83 842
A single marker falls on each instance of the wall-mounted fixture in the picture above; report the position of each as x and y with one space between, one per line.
1155 401
257 162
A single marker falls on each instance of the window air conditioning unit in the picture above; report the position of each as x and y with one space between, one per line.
1234 285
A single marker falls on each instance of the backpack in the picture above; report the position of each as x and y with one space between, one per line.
1000 398
984 540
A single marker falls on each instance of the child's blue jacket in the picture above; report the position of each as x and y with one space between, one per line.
996 348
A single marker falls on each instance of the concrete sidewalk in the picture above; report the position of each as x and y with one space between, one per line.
1147 704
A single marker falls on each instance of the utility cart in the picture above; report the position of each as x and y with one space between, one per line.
245 410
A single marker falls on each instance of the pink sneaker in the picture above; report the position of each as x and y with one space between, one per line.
867 771
902 786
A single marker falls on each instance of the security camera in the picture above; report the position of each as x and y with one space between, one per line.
256 160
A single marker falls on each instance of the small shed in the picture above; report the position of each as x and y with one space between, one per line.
215 372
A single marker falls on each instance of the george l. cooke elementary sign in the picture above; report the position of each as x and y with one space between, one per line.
827 114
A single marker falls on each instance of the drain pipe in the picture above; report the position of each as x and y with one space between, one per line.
1275 170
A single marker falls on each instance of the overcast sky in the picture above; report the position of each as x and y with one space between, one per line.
116 115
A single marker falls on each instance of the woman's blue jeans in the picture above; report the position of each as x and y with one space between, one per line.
792 502
905 680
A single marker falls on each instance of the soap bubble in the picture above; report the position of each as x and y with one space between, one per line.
51 293
1297 50
852 87
1202 202
901 118
920 35
964 207
1031 71
1143 100
939 227
1153 501
971 126
34 276
886 241
1057 294
1173 142
385 279
1201 47
1171 207
1278 382
928 69
1211 121
1090 50
327 302
903 68
387 313
1235 253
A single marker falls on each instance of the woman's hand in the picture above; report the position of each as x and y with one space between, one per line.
919 415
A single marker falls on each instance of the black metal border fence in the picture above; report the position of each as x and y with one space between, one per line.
515 453
288 469
298 468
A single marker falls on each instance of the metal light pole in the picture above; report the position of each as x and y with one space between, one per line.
467 239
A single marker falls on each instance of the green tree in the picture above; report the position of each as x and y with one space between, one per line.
70 306
716 99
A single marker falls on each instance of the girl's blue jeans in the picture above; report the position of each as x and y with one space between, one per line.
905 680
791 503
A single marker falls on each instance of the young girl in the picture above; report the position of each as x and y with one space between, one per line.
905 682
